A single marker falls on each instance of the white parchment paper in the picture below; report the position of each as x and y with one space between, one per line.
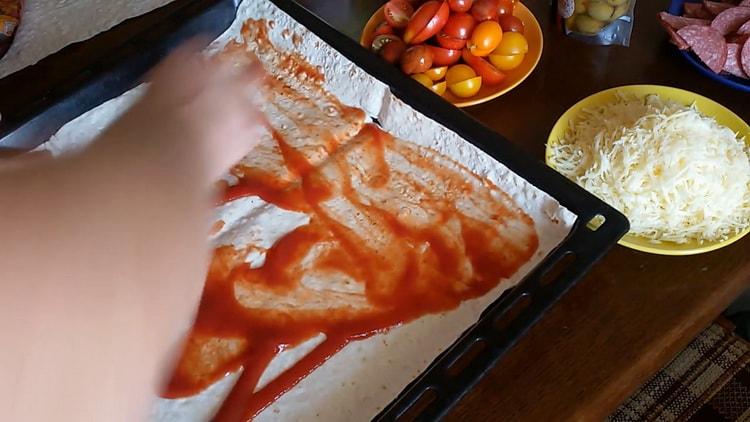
49 25
357 382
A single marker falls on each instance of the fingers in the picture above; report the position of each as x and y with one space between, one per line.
208 105
182 75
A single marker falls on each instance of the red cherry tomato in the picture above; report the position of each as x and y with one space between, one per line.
398 12
483 10
383 28
381 40
452 43
416 59
460 5
459 25
510 23
489 73
427 21
444 56
504 7
392 51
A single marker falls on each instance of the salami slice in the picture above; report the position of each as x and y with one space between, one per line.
716 7
744 28
733 66
745 57
731 19
565 8
674 38
696 10
708 44
677 22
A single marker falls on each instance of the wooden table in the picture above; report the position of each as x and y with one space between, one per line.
634 311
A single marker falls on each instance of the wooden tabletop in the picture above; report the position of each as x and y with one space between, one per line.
634 311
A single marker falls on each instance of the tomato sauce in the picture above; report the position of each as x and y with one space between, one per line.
411 260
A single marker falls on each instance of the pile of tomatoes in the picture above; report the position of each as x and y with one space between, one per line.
457 45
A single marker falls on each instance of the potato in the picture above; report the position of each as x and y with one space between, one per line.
619 11
588 25
600 10
580 7
618 3
570 23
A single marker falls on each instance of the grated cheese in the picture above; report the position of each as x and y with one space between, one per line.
676 174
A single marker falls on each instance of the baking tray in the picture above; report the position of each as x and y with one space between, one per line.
455 371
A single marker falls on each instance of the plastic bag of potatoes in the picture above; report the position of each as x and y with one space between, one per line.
602 22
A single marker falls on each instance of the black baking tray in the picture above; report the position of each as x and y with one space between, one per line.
454 372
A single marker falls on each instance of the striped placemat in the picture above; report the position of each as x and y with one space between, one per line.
708 381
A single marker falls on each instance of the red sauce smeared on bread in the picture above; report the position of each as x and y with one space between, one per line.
396 231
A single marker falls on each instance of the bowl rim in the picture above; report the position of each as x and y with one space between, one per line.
664 247
376 18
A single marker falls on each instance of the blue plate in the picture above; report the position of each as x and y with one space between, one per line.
675 8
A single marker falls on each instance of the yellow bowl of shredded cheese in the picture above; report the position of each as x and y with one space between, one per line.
674 162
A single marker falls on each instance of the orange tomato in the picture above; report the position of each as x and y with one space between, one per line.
439 88
512 43
437 73
422 79
425 80
506 62
467 88
459 73
485 38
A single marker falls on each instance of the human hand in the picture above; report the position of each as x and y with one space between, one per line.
196 108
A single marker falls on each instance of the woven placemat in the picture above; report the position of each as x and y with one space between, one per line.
708 381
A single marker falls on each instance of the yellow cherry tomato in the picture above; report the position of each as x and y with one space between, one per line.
422 79
506 62
512 43
486 36
459 73
466 88
437 73
439 88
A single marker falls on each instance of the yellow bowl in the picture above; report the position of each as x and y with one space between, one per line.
706 106
533 34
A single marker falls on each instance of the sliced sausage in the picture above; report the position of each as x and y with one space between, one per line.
696 10
708 44
731 19
677 22
565 8
733 66
745 57
674 38
716 7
